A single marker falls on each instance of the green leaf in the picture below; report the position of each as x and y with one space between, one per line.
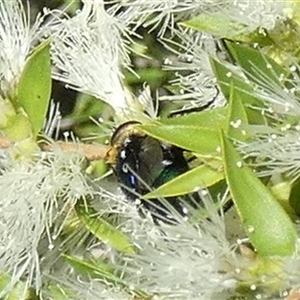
295 196
269 228
34 88
87 106
7 113
258 68
217 24
296 11
197 178
222 26
237 117
4 280
200 140
17 292
155 75
259 36
206 119
103 272
99 270
18 128
58 292
282 192
226 78
104 231
285 36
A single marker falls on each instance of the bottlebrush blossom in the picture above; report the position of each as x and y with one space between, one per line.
165 14
33 197
16 42
195 80
173 262
89 52
194 76
182 261
90 49
276 149
86 289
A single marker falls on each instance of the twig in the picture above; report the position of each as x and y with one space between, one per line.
90 151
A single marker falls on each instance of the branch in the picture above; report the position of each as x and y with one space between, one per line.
90 151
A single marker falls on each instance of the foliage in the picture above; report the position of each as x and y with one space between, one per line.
226 91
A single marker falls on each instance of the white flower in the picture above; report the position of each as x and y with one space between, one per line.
165 14
180 261
33 196
52 124
82 289
276 148
258 14
195 79
16 41
89 53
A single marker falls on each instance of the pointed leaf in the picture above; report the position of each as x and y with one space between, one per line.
18 290
226 77
209 119
103 272
237 117
269 228
18 128
222 26
295 196
217 24
200 140
197 178
245 90
257 66
34 87
104 231
282 192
